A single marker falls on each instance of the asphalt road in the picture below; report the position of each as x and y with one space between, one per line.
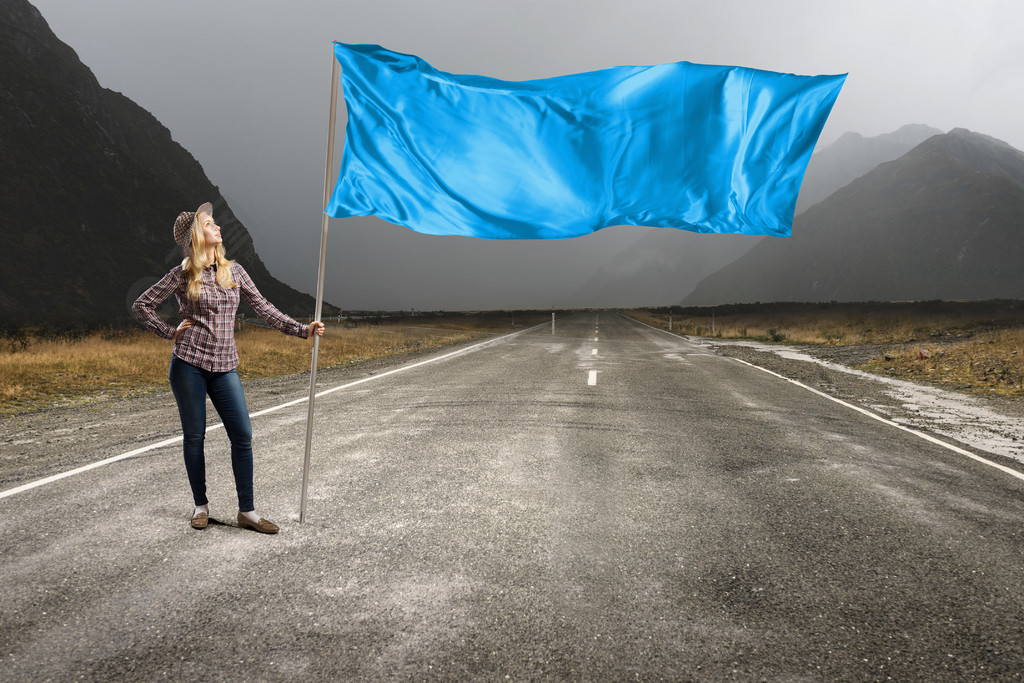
601 502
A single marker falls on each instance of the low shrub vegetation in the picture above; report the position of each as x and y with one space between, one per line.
988 363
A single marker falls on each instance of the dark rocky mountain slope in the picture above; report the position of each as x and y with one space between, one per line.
90 184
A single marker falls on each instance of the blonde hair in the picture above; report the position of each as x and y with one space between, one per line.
195 262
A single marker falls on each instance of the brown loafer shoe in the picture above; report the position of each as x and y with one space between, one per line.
262 526
200 521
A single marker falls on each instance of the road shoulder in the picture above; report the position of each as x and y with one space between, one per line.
991 426
42 443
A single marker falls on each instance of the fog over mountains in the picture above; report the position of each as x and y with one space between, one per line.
853 155
666 265
943 221
90 184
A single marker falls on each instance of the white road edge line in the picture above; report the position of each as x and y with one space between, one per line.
873 416
167 442
897 425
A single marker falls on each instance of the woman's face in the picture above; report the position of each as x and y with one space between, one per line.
211 231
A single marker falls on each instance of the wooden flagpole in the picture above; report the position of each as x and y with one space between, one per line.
335 74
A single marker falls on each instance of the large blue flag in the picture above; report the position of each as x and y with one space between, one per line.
710 149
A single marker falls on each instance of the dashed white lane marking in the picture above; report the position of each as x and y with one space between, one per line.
593 352
883 420
595 338
592 378
305 399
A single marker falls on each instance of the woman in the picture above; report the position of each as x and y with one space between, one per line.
207 287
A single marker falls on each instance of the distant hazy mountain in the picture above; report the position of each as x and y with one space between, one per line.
853 155
944 221
90 184
660 267
665 265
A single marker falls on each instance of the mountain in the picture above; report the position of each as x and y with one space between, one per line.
666 264
853 155
944 221
660 267
90 186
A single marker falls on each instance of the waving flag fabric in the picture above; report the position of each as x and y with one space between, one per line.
711 149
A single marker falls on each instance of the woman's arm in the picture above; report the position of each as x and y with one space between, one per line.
145 306
264 308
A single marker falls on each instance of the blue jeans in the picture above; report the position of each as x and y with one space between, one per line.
190 386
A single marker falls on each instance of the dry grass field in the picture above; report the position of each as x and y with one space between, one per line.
38 371
977 347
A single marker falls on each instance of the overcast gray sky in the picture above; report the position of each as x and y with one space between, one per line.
244 85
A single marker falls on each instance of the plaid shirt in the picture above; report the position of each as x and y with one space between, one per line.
210 342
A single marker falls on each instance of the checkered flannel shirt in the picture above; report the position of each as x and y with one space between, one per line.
210 342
